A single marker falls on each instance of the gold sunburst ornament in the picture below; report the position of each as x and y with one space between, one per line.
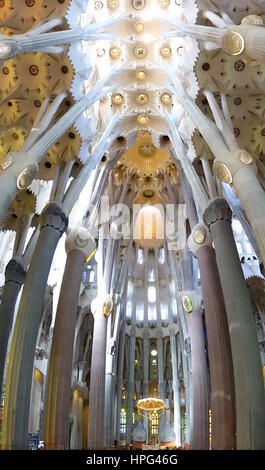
165 51
117 98
166 98
140 52
141 74
142 98
142 119
115 52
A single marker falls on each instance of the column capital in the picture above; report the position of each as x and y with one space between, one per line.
80 239
81 388
15 272
199 237
53 216
146 333
218 209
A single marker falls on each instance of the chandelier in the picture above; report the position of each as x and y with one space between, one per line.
148 406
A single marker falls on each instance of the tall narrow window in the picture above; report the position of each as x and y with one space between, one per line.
151 294
155 423
140 259
123 421
140 311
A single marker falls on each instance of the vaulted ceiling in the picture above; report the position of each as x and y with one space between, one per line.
141 42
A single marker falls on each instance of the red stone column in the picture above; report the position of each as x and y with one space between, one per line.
220 356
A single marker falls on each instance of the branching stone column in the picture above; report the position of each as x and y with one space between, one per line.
199 374
120 381
15 274
220 356
79 245
19 169
249 387
248 38
187 377
232 165
131 384
111 349
31 41
98 361
191 302
175 385
146 374
146 353
53 223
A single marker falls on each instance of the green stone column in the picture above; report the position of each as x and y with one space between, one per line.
53 223
14 278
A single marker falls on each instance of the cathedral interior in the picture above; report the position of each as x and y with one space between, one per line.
132 224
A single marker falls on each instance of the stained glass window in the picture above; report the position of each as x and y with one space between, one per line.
155 423
123 421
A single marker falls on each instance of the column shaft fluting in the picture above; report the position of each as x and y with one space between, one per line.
14 278
21 358
199 382
220 356
97 385
58 402
249 387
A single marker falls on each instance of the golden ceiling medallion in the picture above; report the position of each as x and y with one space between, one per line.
233 43
222 172
140 52
187 303
245 157
142 98
113 4
147 150
253 20
164 3
117 98
138 4
115 52
199 235
139 27
141 74
142 119
166 98
165 50
6 162
26 176
107 307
